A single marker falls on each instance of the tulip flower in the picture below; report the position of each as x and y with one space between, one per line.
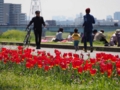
39 64
80 70
76 64
46 68
92 61
93 71
118 72
70 54
29 65
63 65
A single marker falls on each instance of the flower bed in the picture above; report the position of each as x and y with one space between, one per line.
66 67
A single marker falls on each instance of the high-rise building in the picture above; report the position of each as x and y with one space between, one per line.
1 11
117 16
13 15
6 13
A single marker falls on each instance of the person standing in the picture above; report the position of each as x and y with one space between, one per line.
88 21
38 21
76 38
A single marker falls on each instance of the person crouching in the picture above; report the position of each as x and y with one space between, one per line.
76 37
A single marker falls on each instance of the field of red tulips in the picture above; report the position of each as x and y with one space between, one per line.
67 68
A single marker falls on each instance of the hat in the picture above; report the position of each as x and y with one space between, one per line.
117 31
87 10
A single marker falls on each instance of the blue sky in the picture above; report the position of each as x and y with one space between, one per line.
99 8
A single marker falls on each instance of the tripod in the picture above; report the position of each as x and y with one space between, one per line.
27 38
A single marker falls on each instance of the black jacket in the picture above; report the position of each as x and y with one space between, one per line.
37 22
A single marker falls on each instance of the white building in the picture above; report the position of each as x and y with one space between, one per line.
79 19
109 18
67 22
104 22
117 16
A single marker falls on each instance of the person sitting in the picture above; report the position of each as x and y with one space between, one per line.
69 38
118 37
59 35
101 37
113 39
94 33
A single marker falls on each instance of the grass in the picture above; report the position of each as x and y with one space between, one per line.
18 36
32 81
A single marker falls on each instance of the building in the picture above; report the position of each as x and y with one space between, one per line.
6 13
51 22
22 19
59 18
109 18
1 11
13 15
117 16
104 22
65 23
79 19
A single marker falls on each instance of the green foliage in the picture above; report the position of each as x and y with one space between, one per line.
15 78
16 35
109 34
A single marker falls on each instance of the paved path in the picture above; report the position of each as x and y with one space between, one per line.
51 50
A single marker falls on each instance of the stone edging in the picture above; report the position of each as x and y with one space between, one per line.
96 48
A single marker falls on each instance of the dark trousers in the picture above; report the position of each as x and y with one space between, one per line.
38 33
105 41
88 37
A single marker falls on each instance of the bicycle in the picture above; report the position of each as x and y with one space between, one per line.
27 37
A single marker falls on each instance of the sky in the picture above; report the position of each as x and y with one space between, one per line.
69 8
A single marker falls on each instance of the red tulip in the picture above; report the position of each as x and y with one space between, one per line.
109 73
117 56
93 71
51 64
65 55
76 64
109 67
118 64
103 67
93 61
63 65
76 55
57 62
88 65
118 72
46 68
70 54
40 64
48 54
20 47
29 65
80 70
